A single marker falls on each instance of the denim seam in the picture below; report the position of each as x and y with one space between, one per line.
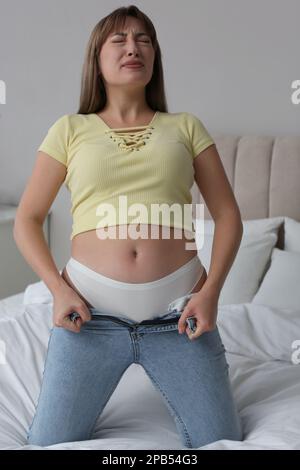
35 413
155 329
171 326
186 434
135 345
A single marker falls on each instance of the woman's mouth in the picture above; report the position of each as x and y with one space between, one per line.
133 66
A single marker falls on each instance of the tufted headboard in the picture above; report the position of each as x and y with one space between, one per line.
264 173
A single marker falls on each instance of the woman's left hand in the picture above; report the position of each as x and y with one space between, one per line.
204 306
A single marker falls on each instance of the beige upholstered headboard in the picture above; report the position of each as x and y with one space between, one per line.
264 173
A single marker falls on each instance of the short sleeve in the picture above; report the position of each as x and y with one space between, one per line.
56 141
198 137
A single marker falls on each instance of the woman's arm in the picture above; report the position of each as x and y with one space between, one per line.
218 195
30 240
226 242
40 192
47 177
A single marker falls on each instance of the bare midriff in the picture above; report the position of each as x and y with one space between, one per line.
134 260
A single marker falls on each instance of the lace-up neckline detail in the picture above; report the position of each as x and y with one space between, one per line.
130 138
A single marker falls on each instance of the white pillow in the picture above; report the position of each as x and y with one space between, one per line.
260 226
252 259
291 235
281 285
247 270
251 227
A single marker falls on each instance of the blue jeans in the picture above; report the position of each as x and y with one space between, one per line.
83 369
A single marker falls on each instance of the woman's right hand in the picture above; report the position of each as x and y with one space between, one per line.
65 302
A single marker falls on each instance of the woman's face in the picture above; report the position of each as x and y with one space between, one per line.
132 42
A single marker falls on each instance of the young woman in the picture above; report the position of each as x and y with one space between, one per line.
124 297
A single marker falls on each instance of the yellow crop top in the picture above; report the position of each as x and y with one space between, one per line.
117 177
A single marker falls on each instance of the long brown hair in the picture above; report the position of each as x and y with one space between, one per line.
93 95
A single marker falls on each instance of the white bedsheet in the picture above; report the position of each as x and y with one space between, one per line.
266 383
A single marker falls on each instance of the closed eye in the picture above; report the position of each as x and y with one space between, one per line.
141 41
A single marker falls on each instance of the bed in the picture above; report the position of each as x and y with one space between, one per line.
258 319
